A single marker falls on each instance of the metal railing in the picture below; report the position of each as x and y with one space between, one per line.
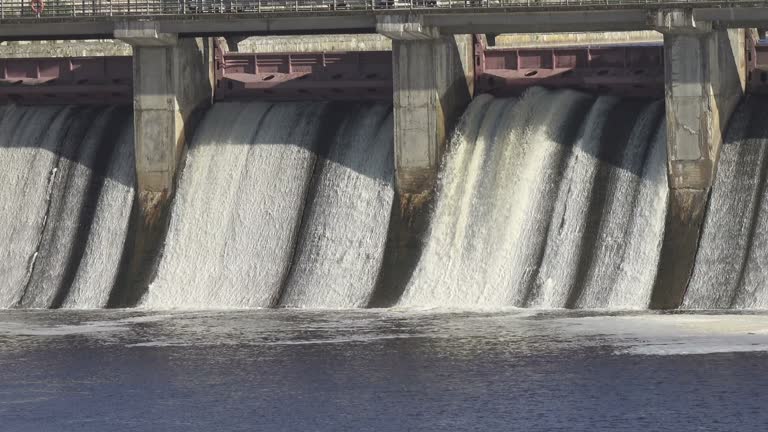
21 9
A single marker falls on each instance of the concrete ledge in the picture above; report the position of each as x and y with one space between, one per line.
64 48
431 90
315 43
566 39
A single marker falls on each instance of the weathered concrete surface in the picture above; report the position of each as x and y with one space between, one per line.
315 43
542 40
64 48
433 78
432 86
705 72
406 27
172 84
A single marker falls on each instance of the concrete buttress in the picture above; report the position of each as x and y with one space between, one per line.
705 71
172 84
433 84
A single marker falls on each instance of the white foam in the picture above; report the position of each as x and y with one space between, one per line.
344 230
238 207
675 334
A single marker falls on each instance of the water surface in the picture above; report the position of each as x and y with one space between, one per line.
375 370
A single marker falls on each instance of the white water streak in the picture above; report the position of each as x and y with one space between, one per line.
28 157
341 245
238 208
100 264
515 199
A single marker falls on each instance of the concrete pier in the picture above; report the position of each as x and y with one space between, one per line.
433 84
705 72
433 77
172 84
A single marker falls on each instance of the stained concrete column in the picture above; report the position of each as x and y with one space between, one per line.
433 84
433 78
172 84
705 76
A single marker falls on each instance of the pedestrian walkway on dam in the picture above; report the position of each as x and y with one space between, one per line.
73 19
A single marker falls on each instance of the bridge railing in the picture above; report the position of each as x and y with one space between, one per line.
16 9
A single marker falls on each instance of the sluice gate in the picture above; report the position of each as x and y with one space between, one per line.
303 76
625 70
63 81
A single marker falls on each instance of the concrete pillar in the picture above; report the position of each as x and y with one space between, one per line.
433 84
705 76
172 84
433 78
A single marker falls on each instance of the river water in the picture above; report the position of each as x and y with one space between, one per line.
381 370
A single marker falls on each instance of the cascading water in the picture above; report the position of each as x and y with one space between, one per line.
240 232
554 199
341 245
731 269
607 213
540 198
66 198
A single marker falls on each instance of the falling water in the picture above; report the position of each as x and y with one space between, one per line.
61 205
255 200
731 269
541 198
343 234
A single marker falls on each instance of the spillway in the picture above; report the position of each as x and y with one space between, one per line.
555 199
341 243
68 185
284 200
731 269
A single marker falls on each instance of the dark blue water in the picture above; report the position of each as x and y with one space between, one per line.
381 371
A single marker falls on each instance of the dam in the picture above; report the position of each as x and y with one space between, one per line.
423 168
348 216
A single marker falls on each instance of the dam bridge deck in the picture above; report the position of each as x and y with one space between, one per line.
52 19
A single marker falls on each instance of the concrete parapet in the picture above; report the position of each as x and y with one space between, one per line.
64 48
678 21
172 83
705 73
550 40
313 43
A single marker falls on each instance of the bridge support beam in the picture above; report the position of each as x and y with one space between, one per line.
433 83
172 83
705 77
